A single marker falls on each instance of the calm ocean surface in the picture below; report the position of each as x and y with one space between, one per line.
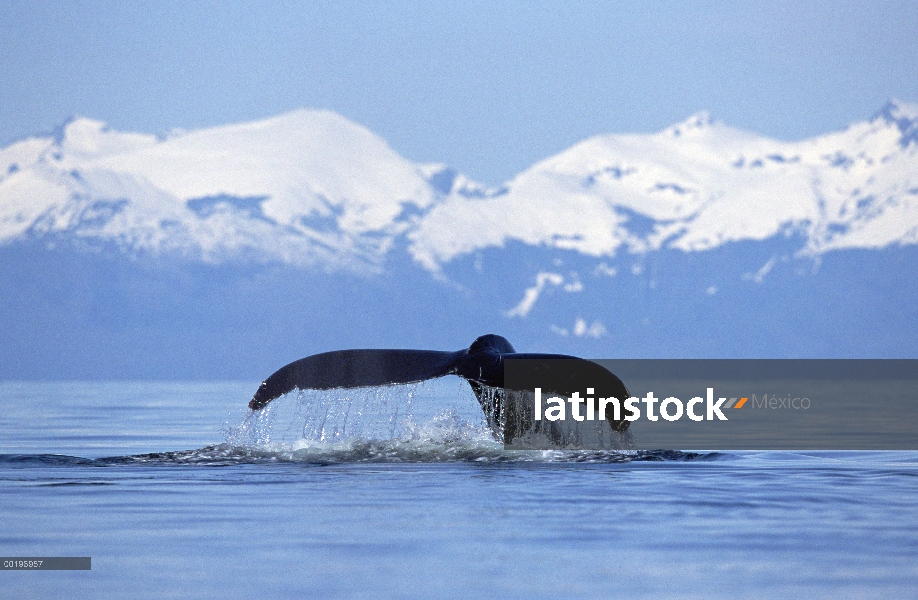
176 490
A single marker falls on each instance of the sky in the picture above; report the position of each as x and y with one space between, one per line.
487 87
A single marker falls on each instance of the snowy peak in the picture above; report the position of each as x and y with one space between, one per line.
306 187
307 163
697 123
904 116
84 138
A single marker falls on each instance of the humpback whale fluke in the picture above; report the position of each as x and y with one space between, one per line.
482 365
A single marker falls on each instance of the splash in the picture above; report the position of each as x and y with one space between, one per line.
432 412
431 421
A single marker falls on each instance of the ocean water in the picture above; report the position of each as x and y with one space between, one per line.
176 490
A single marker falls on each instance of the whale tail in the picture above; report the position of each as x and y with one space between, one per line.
352 369
482 365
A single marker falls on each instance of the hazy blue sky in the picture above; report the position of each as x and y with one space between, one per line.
488 87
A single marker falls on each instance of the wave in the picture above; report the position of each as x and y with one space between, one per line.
355 451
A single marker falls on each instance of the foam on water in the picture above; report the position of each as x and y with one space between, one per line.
430 421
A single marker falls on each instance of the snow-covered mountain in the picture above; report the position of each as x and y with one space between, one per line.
695 186
311 188
228 251
305 188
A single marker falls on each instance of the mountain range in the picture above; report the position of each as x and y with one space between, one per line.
224 252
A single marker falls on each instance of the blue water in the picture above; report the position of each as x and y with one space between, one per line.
176 490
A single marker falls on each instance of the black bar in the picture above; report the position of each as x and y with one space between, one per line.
791 404
46 563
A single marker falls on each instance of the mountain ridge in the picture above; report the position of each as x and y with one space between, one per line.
310 188
854 188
